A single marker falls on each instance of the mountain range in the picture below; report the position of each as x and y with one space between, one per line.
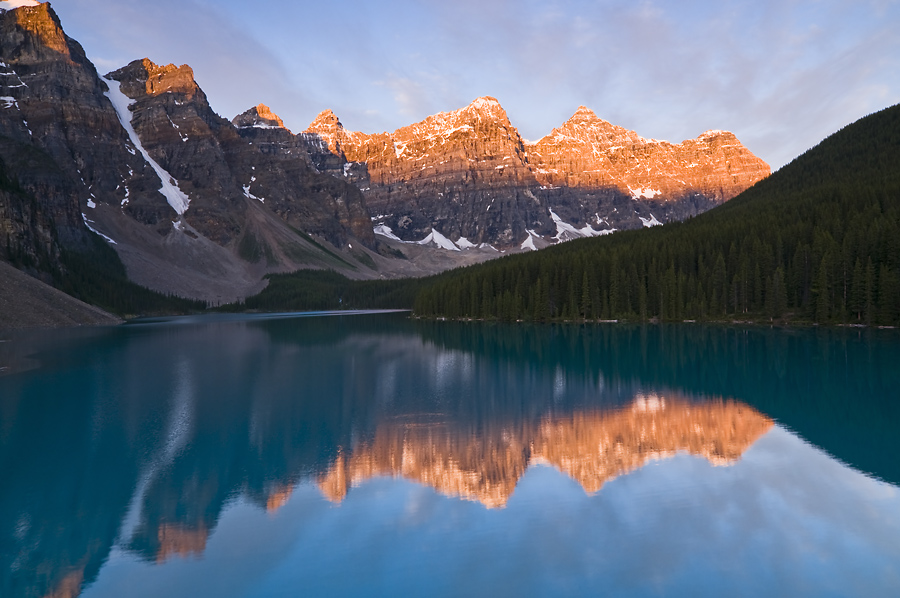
201 207
469 177
816 242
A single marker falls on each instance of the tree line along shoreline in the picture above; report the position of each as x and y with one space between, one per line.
817 242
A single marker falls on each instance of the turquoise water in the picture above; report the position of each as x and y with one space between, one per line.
373 455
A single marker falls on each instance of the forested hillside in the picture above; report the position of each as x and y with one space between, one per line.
316 290
819 241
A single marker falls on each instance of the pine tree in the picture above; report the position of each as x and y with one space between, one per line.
858 290
822 292
585 296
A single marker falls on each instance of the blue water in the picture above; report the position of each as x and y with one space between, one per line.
374 455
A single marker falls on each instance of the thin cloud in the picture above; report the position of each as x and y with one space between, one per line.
781 75
411 97
233 68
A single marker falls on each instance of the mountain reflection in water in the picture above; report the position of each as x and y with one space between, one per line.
136 440
591 447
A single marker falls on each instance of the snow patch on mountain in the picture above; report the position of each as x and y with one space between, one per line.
641 193
88 224
651 221
386 231
567 232
436 238
249 195
173 194
529 242
464 243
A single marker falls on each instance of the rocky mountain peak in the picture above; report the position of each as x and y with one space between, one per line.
584 113
483 118
585 128
467 174
260 117
328 131
717 135
41 22
485 109
144 77
485 105
589 152
325 121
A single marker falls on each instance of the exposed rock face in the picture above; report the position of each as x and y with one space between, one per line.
588 152
260 116
592 448
187 198
462 173
469 174
60 138
184 195
179 130
203 207
274 166
220 165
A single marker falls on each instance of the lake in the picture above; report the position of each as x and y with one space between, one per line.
374 455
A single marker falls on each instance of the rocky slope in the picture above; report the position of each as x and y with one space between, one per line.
29 303
193 204
463 174
60 141
468 176
203 207
280 173
588 152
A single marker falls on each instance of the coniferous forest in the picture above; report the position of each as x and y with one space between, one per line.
817 241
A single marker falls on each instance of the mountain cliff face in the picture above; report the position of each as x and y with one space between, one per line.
470 176
280 173
462 173
193 204
588 152
220 165
60 139
203 207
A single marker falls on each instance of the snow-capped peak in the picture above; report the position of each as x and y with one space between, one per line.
484 102
325 120
260 117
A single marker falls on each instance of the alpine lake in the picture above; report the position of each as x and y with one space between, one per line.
376 455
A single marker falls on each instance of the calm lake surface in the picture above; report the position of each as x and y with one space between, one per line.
372 455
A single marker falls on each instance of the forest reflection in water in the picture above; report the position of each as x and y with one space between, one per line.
132 444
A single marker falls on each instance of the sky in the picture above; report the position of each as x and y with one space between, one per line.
781 74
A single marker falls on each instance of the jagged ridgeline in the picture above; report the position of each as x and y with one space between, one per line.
819 240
